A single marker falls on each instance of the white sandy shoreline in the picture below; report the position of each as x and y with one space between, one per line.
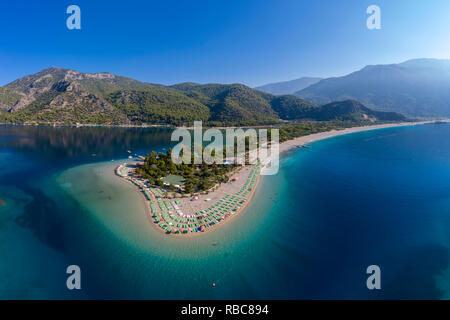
304 140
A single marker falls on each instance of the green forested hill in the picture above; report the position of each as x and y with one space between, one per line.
354 111
158 105
232 103
65 96
293 108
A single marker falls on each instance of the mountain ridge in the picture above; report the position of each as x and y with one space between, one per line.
416 88
288 87
66 96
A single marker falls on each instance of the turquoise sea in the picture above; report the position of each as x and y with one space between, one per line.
377 197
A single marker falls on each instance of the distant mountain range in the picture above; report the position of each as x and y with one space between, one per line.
354 111
288 87
64 96
417 88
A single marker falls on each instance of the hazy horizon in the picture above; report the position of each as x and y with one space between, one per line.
254 43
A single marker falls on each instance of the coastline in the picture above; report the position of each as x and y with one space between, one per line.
207 231
119 229
247 180
299 142
81 125
304 140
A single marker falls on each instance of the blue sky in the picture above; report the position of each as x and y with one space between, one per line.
248 41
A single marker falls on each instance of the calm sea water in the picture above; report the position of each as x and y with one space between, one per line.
379 197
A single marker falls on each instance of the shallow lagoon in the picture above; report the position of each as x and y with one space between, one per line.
378 197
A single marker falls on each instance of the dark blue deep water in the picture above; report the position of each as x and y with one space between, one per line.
378 197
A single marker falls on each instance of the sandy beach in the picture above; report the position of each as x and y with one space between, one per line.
192 207
301 141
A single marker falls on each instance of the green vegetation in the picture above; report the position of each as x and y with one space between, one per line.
293 108
76 110
232 103
106 86
64 96
352 110
198 178
292 131
43 79
157 105
8 97
203 177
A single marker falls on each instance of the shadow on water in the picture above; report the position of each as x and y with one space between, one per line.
416 279
317 255
63 144
40 216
